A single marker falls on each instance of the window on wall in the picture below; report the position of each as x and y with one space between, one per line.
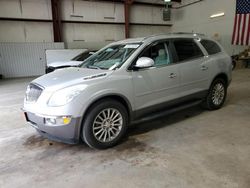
211 47
187 49
159 53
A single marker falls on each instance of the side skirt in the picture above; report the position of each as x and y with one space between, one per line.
166 112
169 107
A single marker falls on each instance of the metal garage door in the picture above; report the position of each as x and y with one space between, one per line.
24 59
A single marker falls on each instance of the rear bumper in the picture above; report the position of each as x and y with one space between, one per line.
69 133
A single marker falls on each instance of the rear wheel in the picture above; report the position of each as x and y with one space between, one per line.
216 95
105 124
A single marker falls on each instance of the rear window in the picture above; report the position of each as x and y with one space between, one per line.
187 49
211 47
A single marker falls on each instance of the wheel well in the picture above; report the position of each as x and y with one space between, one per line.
118 98
222 76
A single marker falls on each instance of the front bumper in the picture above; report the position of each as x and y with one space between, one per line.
69 133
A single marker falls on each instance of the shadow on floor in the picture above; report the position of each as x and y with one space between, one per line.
164 121
37 141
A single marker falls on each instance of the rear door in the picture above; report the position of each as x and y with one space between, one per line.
193 67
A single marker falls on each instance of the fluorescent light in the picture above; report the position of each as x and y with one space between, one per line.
167 1
217 15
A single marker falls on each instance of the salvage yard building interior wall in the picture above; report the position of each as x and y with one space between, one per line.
93 24
196 18
86 24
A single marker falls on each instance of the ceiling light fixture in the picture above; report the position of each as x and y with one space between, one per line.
217 15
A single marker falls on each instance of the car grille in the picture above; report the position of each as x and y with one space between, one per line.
33 92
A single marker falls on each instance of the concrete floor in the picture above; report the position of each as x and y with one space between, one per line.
190 149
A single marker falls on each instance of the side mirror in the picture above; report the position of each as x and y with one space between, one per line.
144 62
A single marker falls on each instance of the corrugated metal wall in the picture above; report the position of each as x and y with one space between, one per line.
24 59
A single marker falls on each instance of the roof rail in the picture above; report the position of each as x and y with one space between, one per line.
186 33
176 33
155 35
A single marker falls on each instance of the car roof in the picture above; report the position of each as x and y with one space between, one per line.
161 36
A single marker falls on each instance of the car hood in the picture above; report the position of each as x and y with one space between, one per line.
71 76
65 63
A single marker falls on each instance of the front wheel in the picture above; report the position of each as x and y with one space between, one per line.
216 95
105 124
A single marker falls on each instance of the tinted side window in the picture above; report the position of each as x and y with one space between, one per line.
158 53
211 47
187 49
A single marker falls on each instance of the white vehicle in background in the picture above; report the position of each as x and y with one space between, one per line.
58 59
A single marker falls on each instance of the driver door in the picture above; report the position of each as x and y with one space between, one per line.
154 87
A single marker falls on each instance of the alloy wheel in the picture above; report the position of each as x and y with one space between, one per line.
107 125
218 94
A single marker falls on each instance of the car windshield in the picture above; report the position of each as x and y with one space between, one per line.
111 57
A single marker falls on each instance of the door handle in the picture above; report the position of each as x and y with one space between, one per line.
172 75
204 67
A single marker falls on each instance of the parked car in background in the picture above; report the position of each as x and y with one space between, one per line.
74 62
126 82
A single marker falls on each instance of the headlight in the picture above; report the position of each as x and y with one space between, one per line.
64 96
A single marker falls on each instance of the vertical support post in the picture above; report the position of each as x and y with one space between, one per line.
56 18
127 5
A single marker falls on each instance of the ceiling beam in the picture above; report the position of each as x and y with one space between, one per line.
81 22
137 2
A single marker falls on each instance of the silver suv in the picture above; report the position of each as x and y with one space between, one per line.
125 82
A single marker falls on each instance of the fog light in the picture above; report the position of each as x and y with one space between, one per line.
50 121
64 120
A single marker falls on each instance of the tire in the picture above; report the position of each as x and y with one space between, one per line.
101 132
216 95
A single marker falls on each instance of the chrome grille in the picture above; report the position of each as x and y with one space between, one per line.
33 92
